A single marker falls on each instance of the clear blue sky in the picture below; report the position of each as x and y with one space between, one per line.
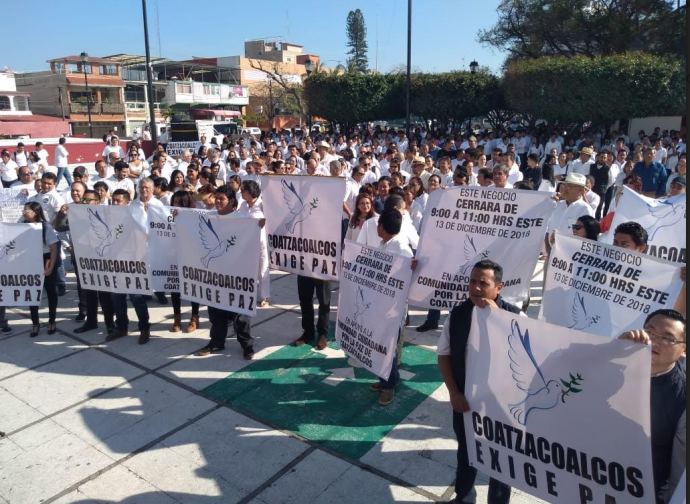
444 31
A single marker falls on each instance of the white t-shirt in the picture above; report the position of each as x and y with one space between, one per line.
50 237
50 202
660 155
43 155
110 149
351 193
125 184
578 166
370 235
515 175
554 145
9 171
396 245
30 187
61 155
547 186
565 216
443 348
594 200
21 158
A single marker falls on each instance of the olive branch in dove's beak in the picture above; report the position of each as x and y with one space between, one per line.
120 230
315 204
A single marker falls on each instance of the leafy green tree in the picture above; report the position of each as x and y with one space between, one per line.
601 89
357 42
534 28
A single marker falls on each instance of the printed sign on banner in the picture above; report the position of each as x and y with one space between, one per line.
165 276
664 219
179 148
21 264
12 203
110 245
505 226
545 401
371 306
304 224
218 261
604 290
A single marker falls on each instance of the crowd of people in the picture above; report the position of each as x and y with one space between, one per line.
388 177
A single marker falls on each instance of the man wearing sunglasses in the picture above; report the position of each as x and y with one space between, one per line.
665 331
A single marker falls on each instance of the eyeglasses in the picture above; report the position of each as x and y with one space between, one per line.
577 227
664 340
86 201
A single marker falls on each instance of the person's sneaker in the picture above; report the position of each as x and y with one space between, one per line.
80 318
304 340
426 327
208 350
85 328
249 353
116 335
387 397
144 337
6 330
376 387
323 343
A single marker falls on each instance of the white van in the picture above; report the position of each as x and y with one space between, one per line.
252 131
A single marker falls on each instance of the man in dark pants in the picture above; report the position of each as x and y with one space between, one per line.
122 198
305 289
486 283
226 204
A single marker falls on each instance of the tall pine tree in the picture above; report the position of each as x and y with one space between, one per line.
357 42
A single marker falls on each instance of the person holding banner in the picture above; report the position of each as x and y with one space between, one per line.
226 205
121 198
251 207
486 284
33 214
572 206
666 332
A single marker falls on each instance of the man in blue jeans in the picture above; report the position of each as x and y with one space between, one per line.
62 163
122 198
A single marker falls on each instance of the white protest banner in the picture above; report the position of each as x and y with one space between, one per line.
21 264
371 307
110 245
605 290
218 260
12 203
304 224
465 225
664 219
179 148
162 249
559 414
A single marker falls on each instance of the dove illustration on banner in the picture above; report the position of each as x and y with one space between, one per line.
212 243
103 231
542 394
297 207
361 306
472 257
667 215
581 319
7 249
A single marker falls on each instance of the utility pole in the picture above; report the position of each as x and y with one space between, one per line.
149 77
409 65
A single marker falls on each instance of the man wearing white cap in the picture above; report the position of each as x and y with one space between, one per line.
570 209
324 150
583 166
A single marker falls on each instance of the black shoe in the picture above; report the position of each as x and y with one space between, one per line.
116 335
208 350
426 327
162 299
110 330
85 328
52 329
304 340
62 291
249 353
80 318
6 330
34 331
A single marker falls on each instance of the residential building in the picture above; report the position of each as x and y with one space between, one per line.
16 118
61 92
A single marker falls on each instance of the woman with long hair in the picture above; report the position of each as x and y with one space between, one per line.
587 227
177 181
136 165
33 214
421 197
183 199
203 153
364 210
548 183
161 192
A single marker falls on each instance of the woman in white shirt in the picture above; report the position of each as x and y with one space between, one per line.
536 148
37 165
137 165
33 214
160 191
251 207
364 210
548 183
421 197
113 147
8 169
177 181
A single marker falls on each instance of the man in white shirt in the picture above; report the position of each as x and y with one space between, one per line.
515 175
352 188
101 174
554 143
419 170
41 152
203 142
570 209
49 199
25 182
214 158
313 168
592 198
406 165
408 233
661 155
62 162
234 167
121 179
21 157
583 166
324 150
501 177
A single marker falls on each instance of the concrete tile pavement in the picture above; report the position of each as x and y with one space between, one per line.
118 423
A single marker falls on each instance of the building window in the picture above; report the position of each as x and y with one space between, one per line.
183 88
289 60
5 103
135 94
59 67
80 68
21 104
108 70
81 97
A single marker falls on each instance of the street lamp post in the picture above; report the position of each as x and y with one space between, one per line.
149 77
84 62
474 68
310 67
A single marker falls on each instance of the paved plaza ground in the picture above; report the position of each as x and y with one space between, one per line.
92 422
